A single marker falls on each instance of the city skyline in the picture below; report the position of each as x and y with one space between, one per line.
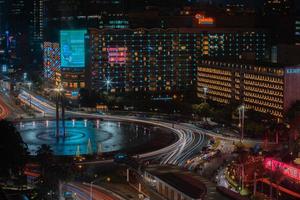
149 99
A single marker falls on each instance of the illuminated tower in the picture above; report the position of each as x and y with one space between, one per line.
278 7
3 15
38 21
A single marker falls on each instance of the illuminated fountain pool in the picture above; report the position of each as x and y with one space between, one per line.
92 136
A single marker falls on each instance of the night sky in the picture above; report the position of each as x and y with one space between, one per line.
254 3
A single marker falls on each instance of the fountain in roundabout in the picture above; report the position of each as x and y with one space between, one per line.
77 136
93 136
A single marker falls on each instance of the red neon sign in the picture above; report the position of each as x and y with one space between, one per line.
202 19
288 170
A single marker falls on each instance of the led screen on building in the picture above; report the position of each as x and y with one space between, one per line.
72 48
52 61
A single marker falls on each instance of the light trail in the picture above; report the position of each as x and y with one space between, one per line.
189 141
4 111
83 192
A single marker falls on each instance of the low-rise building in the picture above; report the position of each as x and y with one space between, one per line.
175 185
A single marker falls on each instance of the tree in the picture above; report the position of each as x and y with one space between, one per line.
47 181
44 157
254 128
87 98
224 114
13 151
203 110
293 112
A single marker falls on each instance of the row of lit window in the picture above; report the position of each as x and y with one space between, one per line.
218 93
271 70
265 110
215 71
264 91
264 84
249 41
214 82
215 77
145 33
264 97
223 89
264 78
264 103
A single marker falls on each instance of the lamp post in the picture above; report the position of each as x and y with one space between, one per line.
255 182
205 90
91 190
241 121
29 85
91 186
59 100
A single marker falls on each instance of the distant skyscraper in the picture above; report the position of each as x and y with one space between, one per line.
3 15
17 15
297 31
38 19
278 7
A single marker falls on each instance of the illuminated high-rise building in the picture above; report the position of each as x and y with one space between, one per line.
297 31
264 88
52 72
82 14
3 15
38 19
278 7
163 60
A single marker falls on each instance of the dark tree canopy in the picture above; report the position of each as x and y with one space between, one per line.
13 151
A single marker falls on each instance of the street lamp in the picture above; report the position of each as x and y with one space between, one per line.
91 186
59 100
241 110
205 90
59 88
91 190
29 85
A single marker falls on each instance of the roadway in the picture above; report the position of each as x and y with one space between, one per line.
190 139
4 111
83 191
189 142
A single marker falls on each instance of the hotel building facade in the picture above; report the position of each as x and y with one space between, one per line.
162 60
266 89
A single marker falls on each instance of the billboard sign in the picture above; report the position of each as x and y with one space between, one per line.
287 170
203 20
72 48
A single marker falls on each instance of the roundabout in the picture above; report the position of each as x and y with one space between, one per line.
94 137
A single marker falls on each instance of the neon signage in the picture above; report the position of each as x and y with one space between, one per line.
117 55
285 169
203 20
